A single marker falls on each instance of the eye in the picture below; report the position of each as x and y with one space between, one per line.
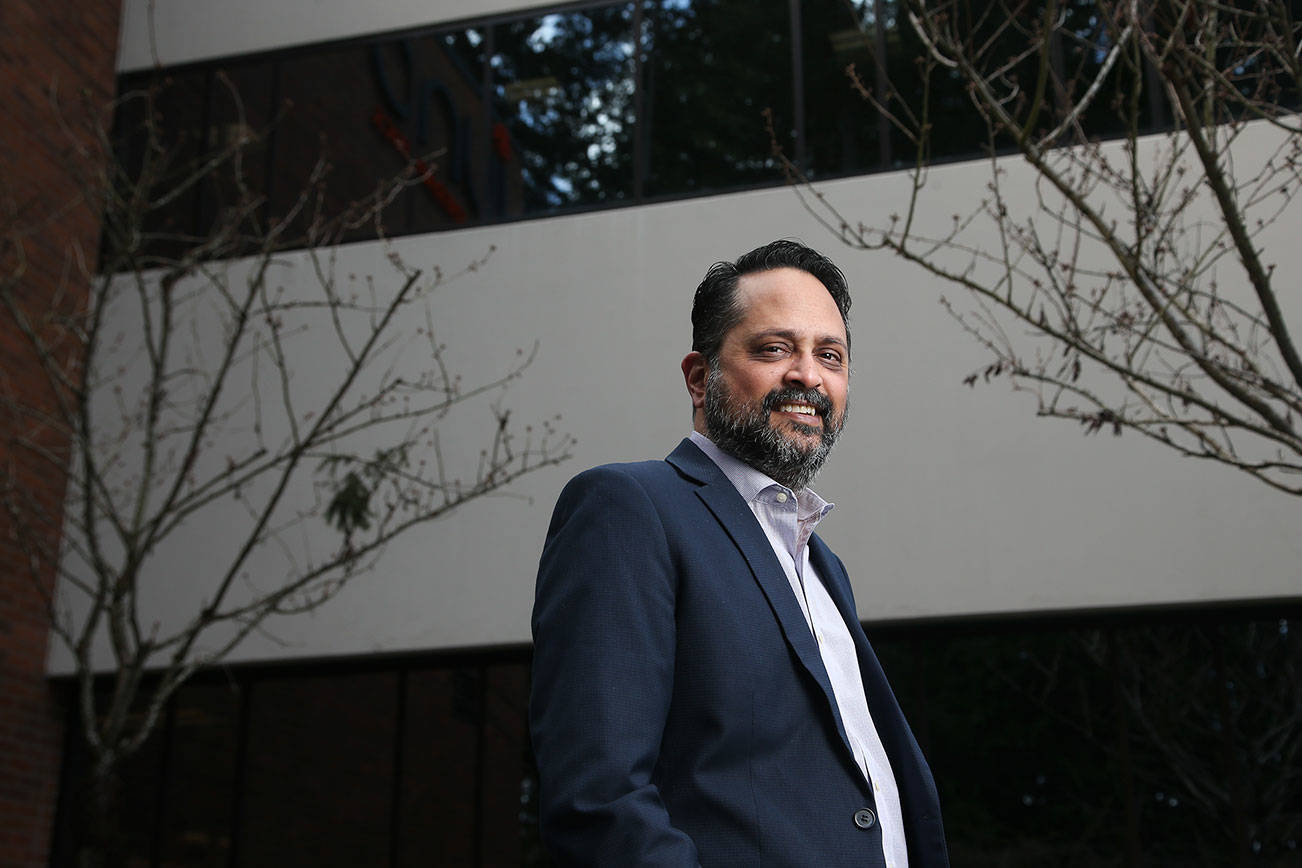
831 358
772 350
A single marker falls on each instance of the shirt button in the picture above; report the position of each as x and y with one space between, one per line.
781 497
864 819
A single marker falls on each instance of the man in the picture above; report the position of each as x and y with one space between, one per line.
703 693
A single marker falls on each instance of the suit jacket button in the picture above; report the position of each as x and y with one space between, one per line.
864 819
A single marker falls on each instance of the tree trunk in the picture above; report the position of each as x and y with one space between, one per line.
103 843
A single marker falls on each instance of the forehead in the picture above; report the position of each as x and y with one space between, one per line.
788 299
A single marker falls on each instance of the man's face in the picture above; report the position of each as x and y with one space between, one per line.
776 398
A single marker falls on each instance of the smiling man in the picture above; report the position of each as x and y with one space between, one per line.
703 692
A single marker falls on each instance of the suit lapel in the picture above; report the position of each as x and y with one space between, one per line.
734 515
886 713
916 787
836 582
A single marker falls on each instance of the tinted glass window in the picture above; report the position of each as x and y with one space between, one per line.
1174 742
161 133
953 124
318 777
712 67
564 94
505 773
199 792
429 103
441 750
329 100
844 130
1169 743
603 105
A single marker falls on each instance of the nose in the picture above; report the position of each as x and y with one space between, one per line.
804 371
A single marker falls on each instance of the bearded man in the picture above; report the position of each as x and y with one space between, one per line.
703 692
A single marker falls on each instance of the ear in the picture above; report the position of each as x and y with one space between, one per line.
695 371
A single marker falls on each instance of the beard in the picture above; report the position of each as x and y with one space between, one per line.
747 432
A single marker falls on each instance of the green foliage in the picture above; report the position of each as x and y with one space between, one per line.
349 508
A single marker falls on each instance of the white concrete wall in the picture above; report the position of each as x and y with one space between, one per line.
180 31
950 501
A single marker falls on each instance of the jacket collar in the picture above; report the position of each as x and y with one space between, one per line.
695 464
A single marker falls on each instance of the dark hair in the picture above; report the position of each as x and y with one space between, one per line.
715 309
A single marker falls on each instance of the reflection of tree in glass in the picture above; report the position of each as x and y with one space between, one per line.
844 130
841 136
564 85
712 67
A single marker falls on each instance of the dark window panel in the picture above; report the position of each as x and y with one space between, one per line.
160 133
437 810
241 127
1075 58
564 95
430 104
199 793
327 100
1157 743
843 130
319 771
1078 54
711 68
1168 740
134 816
373 112
505 769
955 127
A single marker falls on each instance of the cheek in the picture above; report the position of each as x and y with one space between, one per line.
760 385
751 384
840 396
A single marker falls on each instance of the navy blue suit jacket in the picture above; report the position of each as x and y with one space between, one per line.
680 713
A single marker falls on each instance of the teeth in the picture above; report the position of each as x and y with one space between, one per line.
797 408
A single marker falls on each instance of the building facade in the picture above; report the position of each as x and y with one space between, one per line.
57 71
1047 604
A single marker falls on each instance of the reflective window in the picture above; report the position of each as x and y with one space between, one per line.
711 69
337 118
160 133
955 127
608 104
563 87
1078 55
428 97
845 132
241 121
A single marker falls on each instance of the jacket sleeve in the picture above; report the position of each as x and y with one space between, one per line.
604 636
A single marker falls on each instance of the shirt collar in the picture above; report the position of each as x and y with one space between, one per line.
751 483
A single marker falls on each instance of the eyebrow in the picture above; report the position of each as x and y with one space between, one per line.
788 334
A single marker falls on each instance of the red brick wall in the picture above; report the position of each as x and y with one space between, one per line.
69 45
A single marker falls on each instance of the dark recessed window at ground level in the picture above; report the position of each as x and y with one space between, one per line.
1124 741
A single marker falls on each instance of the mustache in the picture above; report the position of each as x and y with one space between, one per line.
792 395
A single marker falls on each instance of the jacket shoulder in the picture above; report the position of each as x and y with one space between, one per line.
651 476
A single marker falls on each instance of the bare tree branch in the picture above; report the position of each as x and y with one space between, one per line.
149 427
1131 289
